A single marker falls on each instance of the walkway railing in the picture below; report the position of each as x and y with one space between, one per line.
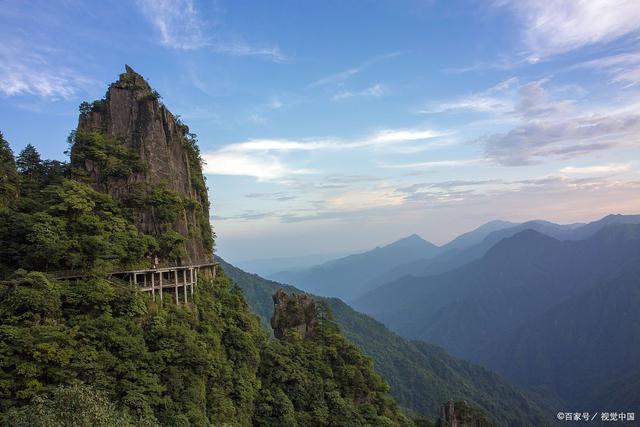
157 279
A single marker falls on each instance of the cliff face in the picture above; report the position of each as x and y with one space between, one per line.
130 146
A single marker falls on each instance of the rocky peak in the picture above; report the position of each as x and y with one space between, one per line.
130 80
129 145
293 312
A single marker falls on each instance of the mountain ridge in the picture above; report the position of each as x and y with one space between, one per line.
346 277
418 306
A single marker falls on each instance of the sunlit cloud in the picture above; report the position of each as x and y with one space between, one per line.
596 169
263 168
262 158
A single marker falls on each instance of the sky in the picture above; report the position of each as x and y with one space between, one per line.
336 126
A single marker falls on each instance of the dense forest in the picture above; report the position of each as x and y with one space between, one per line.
110 355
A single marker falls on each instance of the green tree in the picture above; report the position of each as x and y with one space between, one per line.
9 178
29 163
76 405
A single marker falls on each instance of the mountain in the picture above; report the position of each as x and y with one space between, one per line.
455 255
517 279
421 375
347 277
477 235
578 348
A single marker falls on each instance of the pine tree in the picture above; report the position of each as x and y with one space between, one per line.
9 179
29 162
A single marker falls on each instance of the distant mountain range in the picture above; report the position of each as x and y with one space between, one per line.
351 277
475 244
553 316
347 277
518 278
269 266
421 375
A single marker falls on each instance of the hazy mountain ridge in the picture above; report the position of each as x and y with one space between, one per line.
518 278
457 257
347 277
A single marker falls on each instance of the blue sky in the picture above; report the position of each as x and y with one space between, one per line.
333 126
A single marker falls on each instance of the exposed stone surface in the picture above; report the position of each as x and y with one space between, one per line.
295 312
132 115
460 414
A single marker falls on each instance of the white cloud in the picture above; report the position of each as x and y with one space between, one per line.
264 158
180 26
382 137
557 26
401 135
374 91
26 70
264 167
596 169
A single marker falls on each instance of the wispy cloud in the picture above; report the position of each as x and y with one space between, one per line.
279 196
555 27
342 76
180 26
623 68
275 103
382 137
435 164
27 70
496 99
374 91
545 123
263 158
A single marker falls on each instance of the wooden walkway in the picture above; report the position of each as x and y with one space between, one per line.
179 281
